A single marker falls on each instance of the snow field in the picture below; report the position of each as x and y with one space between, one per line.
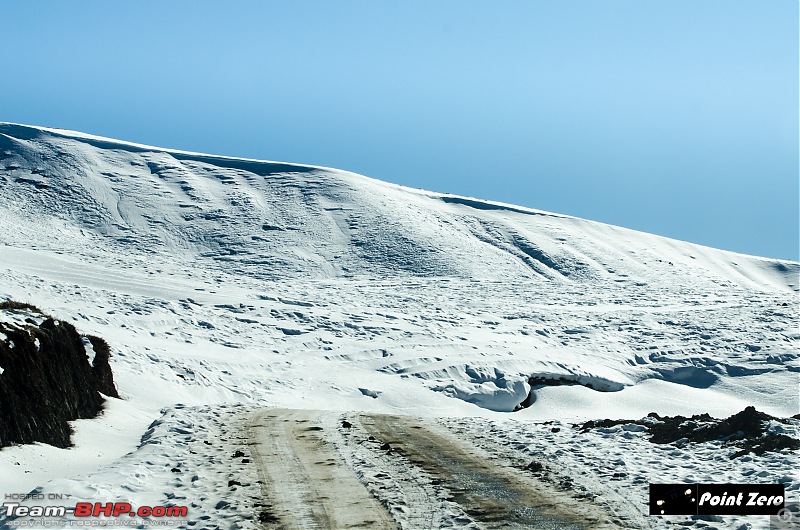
229 285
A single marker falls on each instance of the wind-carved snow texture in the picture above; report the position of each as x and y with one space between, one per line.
218 281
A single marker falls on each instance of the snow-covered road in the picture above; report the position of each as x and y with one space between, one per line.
494 495
327 470
304 481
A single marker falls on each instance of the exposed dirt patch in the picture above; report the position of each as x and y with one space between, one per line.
745 431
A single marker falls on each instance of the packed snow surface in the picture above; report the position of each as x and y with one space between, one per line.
226 285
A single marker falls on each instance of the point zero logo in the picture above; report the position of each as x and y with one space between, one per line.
716 499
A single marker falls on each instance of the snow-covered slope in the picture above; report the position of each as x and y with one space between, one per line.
218 279
272 220
498 292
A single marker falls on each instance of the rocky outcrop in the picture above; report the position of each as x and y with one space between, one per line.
748 431
47 379
101 368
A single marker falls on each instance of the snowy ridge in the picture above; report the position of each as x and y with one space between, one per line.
273 219
251 283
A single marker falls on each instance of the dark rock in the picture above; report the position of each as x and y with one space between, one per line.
745 431
767 443
704 428
535 467
101 367
175 470
238 454
43 387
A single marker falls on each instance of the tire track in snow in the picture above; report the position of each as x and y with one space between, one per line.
303 477
491 494
410 494
357 470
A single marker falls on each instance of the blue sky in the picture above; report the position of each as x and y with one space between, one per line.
675 117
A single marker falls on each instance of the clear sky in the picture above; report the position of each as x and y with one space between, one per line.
675 117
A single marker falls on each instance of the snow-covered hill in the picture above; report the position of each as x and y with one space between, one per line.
272 220
218 279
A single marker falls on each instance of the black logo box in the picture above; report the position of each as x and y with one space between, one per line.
716 499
